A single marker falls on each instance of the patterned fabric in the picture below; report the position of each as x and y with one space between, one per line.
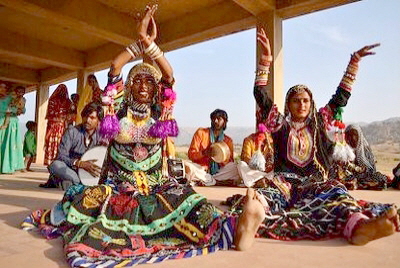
300 146
313 143
54 133
363 152
57 115
137 214
313 210
361 173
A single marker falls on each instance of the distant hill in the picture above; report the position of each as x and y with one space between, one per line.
387 131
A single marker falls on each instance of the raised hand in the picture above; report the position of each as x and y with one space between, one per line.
263 40
366 51
147 29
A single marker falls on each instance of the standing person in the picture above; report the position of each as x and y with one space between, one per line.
138 214
201 153
11 106
76 141
57 114
300 202
30 144
91 93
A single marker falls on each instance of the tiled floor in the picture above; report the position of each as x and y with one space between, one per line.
19 194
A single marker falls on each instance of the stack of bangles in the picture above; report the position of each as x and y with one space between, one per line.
136 50
262 73
350 74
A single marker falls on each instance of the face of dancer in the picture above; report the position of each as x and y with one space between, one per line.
299 106
143 88
352 138
218 123
91 122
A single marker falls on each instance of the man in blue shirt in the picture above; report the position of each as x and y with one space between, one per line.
74 143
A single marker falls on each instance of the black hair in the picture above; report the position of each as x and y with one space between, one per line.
219 112
31 125
91 107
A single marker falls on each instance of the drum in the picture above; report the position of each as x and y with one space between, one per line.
220 152
176 170
97 153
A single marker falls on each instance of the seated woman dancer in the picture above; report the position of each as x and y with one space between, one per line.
359 172
300 202
138 214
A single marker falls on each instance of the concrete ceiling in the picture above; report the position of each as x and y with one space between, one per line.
48 41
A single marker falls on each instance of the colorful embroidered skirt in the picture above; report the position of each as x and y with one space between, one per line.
306 209
104 228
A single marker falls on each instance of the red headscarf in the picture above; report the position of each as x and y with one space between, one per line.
59 103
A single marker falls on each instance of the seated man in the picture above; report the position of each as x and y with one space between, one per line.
74 143
201 153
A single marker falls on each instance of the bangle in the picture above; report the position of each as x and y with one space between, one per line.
135 49
266 61
153 51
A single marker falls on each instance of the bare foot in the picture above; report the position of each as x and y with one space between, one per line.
378 228
252 216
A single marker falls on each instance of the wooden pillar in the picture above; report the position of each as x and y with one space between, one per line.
81 80
272 25
80 87
42 97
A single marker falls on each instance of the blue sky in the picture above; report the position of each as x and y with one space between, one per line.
220 73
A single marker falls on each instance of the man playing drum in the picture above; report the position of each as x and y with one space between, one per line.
211 151
75 142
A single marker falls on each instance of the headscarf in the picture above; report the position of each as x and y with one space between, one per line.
322 145
59 103
87 95
364 156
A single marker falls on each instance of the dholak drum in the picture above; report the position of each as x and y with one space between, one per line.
97 153
220 152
